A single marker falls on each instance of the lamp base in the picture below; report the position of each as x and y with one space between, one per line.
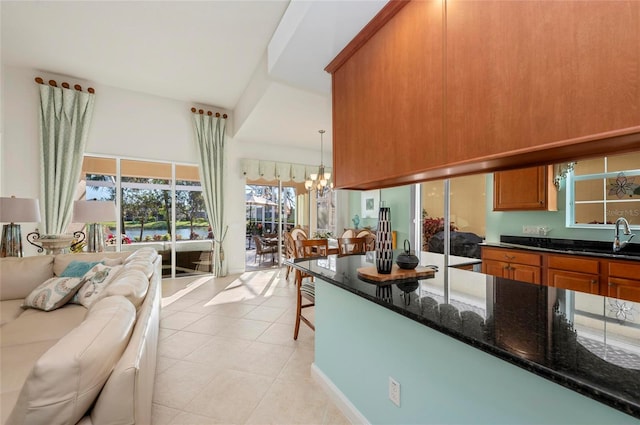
95 237
11 243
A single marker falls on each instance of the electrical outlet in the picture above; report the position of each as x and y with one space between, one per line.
394 391
530 230
543 230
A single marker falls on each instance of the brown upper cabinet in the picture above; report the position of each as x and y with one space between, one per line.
526 189
387 100
433 89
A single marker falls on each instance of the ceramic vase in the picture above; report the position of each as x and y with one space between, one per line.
384 247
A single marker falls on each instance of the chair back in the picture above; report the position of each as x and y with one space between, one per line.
258 242
347 246
309 248
348 233
298 233
370 237
289 245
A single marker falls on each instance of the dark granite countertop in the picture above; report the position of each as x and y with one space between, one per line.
588 343
568 246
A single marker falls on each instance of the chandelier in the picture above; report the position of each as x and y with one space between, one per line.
321 181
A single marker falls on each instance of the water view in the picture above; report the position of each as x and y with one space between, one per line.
133 233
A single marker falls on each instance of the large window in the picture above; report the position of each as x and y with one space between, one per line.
148 192
601 190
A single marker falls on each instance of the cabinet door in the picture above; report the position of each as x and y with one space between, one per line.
495 268
581 282
387 101
524 273
625 289
502 98
524 189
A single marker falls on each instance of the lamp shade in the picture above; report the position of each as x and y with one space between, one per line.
93 211
19 210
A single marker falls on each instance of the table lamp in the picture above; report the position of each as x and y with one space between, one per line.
93 213
12 210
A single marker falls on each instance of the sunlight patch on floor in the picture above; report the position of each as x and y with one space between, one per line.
188 288
248 286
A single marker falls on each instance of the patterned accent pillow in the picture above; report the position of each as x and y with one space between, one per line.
94 282
53 293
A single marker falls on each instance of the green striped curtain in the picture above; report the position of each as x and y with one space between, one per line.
210 134
65 116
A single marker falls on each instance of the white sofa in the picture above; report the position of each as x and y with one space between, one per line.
78 365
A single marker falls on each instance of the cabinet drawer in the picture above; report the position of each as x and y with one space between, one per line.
582 282
511 256
565 262
625 289
624 269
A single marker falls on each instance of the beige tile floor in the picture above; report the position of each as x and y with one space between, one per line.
227 354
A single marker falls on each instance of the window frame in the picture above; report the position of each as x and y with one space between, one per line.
571 179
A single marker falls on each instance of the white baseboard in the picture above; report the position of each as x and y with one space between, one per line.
346 407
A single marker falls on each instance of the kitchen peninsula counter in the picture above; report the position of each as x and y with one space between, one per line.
589 344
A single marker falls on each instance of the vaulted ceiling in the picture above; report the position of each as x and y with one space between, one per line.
262 60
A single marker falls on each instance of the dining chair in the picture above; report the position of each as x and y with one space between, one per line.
289 251
307 248
348 233
347 246
262 249
299 233
370 237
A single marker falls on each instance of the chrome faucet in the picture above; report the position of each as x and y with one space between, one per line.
617 245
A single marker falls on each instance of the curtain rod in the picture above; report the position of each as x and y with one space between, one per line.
200 111
53 83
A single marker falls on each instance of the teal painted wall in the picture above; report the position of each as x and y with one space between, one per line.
442 381
510 223
398 199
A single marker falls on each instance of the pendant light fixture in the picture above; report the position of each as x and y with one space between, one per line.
322 180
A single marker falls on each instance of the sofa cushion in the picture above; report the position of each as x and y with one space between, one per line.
62 261
94 282
142 260
21 275
53 293
66 379
126 397
15 365
78 268
37 325
10 310
143 254
131 284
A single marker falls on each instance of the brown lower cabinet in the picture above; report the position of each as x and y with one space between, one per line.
594 275
575 273
624 280
512 264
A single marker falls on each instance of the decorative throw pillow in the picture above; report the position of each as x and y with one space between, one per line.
94 282
53 293
78 268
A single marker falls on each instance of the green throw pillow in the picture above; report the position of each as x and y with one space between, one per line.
78 268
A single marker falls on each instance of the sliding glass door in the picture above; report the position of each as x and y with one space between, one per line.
146 193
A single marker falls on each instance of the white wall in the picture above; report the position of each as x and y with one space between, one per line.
129 124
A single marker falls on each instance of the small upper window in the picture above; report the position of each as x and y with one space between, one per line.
601 190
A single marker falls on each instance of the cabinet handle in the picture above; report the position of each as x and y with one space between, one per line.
508 257
541 202
593 281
